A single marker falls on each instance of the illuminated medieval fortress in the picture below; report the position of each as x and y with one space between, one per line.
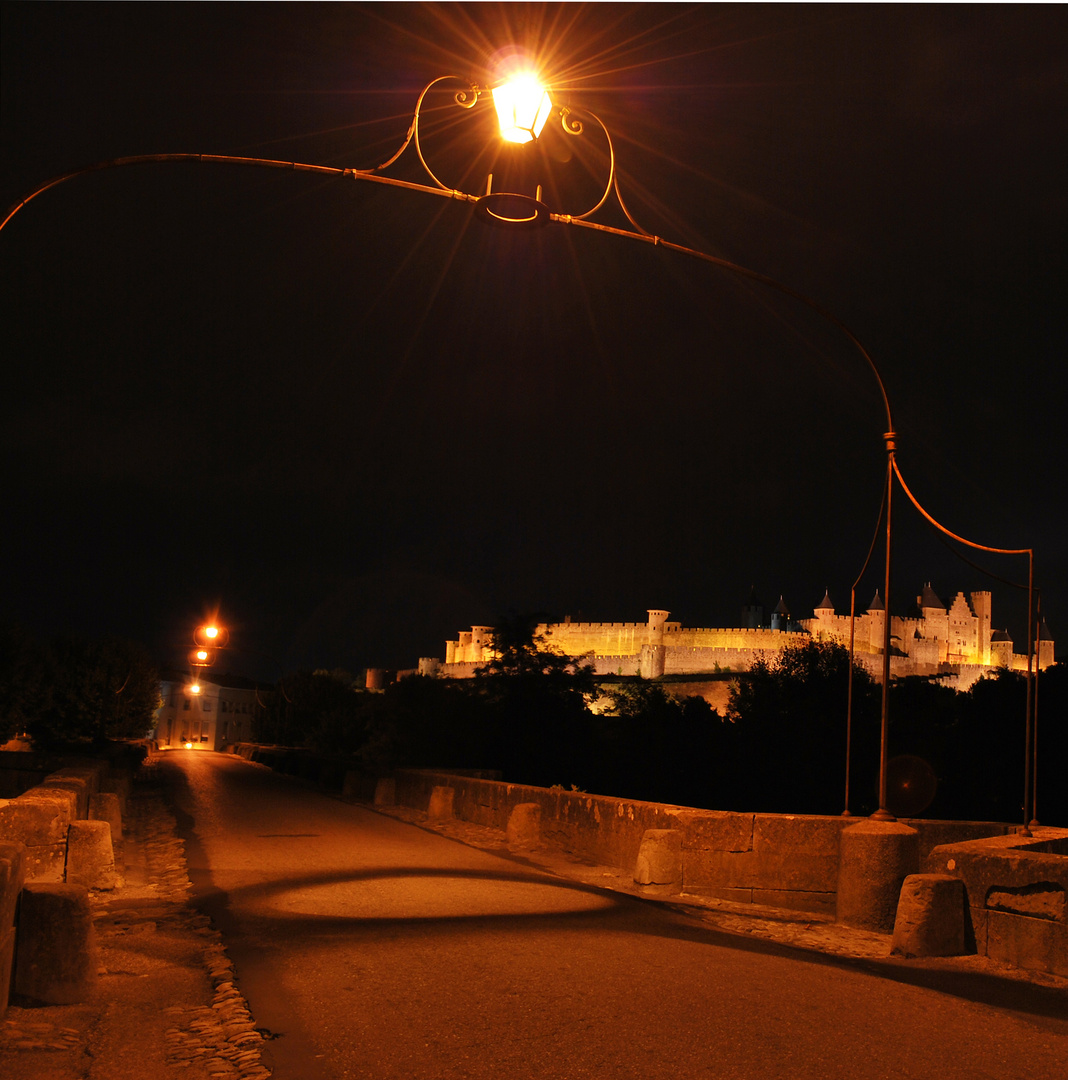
955 643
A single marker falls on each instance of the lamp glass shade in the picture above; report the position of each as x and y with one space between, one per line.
523 105
210 636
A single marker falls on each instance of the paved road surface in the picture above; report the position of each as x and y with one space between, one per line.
375 949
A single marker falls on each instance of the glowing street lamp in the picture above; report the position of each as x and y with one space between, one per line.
210 636
202 657
523 105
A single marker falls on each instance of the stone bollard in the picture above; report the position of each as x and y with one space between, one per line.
386 791
105 806
441 800
12 878
56 962
659 863
90 856
874 858
930 917
523 831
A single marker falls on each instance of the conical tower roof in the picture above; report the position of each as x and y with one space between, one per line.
826 602
781 608
876 603
929 598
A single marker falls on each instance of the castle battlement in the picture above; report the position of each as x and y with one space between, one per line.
955 642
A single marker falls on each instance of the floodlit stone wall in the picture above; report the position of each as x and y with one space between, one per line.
955 643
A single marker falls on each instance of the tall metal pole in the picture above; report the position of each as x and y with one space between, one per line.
1034 712
882 814
1028 723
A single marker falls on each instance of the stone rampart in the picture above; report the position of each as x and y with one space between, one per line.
780 860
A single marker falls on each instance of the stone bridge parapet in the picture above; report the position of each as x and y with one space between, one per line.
778 860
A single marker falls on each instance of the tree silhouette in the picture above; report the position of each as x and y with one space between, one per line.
784 750
537 701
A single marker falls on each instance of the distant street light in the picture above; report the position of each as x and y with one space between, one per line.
211 635
524 105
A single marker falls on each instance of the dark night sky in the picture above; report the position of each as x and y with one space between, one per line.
358 420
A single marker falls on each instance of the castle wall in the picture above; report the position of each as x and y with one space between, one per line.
954 645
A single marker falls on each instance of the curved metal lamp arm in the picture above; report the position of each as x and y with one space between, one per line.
941 528
464 98
573 126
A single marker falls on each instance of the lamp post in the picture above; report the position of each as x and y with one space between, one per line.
524 106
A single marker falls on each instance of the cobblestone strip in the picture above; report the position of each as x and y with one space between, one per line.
18 1035
220 1037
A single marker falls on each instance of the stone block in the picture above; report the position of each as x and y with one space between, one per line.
930 917
35 819
105 806
78 785
90 855
796 853
1034 944
386 791
659 860
46 862
717 831
56 962
64 798
874 859
440 807
7 966
523 831
12 878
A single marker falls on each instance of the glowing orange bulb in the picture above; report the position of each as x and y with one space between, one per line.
523 105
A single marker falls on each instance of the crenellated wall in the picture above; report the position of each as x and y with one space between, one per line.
957 643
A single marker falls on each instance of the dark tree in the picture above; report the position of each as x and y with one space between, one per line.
990 752
428 723
784 750
319 710
537 702
23 692
93 690
924 747
655 746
